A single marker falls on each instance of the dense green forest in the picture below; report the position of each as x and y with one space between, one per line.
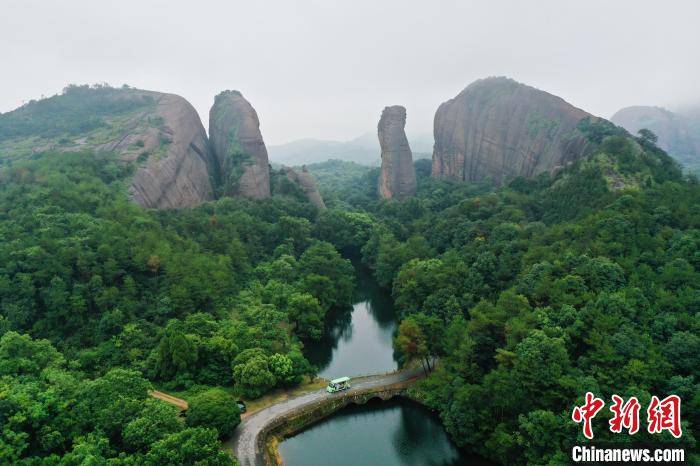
519 298
95 289
534 293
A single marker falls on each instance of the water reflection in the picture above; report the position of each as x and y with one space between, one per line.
358 340
397 432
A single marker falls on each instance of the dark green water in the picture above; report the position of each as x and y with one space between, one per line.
387 433
396 432
359 340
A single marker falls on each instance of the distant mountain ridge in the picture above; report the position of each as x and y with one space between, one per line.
678 132
364 150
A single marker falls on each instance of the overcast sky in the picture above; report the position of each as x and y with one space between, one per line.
325 69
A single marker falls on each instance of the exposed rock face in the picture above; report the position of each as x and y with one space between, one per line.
398 176
498 128
178 165
234 131
679 134
160 134
307 184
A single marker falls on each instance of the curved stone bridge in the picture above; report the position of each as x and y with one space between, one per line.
250 441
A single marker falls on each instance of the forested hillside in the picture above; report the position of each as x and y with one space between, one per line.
528 295
533 294
98 292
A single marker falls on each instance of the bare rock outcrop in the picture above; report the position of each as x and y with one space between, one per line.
306 182
177 166
234 132
159 134
499 129
398 176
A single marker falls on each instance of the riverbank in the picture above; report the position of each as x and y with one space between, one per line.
253 437
298 420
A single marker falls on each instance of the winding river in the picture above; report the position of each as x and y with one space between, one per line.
397 432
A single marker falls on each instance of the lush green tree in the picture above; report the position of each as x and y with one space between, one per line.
91 449
111 402
411 343
254 377
541 437
328 276
307 315
648 136
214 408
282 368
433 329
193 446
540 364
683 351
416 281
21 355
156 420
347 231
177 354
295 230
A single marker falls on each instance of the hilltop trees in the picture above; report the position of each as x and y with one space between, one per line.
529 295
116 297
544 289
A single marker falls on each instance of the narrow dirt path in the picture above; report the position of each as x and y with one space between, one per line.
178 402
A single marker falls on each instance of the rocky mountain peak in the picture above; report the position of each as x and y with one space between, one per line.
306 182
159 134
234 132
179 177
498 129
398 176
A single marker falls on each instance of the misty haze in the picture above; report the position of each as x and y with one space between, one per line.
349 233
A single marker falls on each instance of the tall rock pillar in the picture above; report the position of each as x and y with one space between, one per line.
234 132
398 176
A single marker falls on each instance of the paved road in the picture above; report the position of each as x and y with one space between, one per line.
244 443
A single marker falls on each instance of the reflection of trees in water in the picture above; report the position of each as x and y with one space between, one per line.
415 438
380 305
382 308
421 439
339 321
413 433
338 326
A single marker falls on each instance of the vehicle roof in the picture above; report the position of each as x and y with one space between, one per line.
341 379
